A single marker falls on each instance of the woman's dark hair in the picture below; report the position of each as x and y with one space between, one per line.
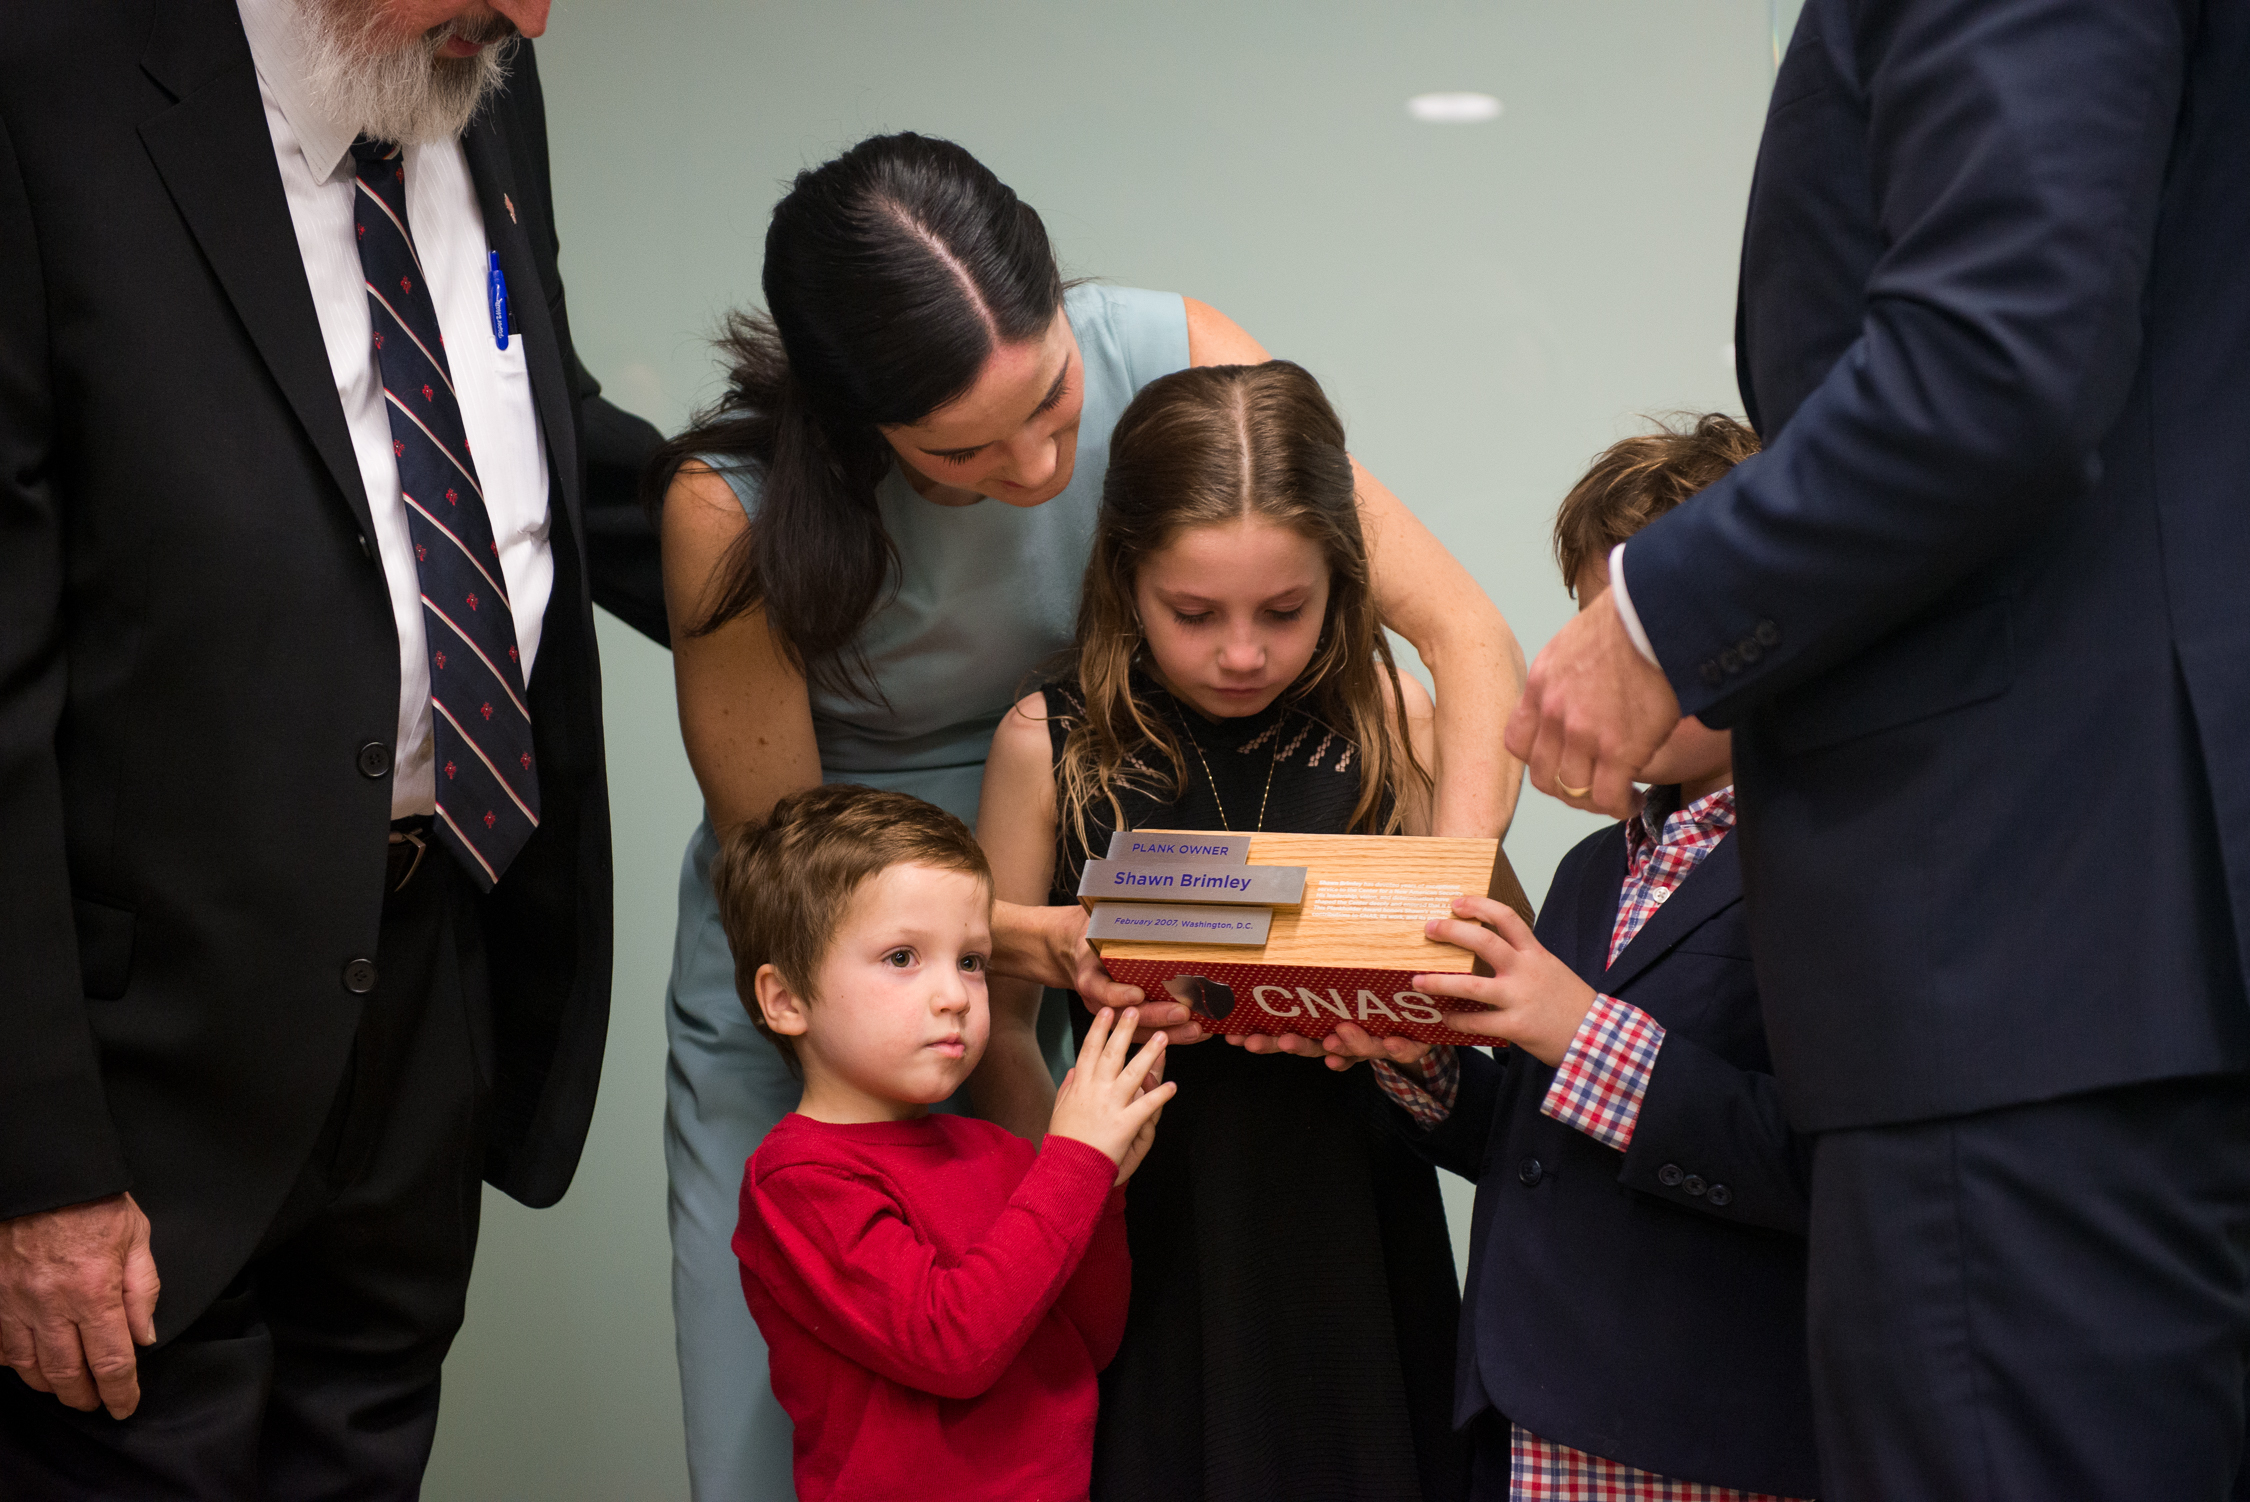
891 274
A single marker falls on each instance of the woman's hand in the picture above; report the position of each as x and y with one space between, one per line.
1538 1001
1108 1101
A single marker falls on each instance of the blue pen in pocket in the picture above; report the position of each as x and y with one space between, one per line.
503 317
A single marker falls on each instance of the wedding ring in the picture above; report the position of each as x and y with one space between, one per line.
1574 792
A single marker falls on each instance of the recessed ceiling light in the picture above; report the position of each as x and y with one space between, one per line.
1453 109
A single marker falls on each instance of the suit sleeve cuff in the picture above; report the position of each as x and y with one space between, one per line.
1624 602
1604 1073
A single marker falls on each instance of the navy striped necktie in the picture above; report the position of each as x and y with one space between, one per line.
487 788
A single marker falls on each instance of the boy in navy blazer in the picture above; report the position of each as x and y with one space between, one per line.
1635 1296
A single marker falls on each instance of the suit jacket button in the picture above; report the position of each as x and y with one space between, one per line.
1768 634
1531 1172
1731 660
1669 1176
1719 1197
374 759
1710 671
1693 1184
1749 649
359 977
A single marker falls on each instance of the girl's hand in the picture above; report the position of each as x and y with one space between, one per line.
1351 1043
1538 1000
1106 1100
1290 1043
1048 945
1168 1015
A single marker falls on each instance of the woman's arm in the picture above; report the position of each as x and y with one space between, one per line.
744 710
1421 734
1016 827
1426 596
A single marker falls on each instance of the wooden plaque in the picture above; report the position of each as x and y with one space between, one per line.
1350 951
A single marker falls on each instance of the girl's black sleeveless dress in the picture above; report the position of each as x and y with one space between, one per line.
1294 1296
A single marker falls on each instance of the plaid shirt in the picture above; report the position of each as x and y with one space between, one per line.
1600 1082
1540 1471
1597 1090
1604 1073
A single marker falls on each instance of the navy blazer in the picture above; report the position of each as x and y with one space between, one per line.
1977 614
1620 1303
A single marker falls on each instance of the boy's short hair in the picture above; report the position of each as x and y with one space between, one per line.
1633 482
784 885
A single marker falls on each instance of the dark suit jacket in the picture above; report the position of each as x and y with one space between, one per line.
196 643
1608 1306
1978 613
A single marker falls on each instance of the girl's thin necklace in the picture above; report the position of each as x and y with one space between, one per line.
1221 802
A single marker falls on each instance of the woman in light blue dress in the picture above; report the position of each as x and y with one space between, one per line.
870 545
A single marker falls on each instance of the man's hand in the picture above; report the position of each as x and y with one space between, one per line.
1593 714
77 1293
1540 1001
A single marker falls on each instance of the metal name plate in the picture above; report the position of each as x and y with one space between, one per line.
1225 849
1179 923
1195 881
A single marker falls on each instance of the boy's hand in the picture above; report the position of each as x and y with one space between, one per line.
1145 1138
1539 1000
1108 1101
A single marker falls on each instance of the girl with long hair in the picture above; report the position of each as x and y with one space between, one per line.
1292 1322
870 540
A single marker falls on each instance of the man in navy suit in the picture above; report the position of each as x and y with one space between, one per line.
1977 618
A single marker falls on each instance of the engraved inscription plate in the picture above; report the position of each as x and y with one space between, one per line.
1192 881
1415 902
1179 923
1179 845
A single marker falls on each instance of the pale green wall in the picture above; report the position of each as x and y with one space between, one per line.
1487 303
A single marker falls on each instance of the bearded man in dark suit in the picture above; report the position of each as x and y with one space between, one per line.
1977 618
305 912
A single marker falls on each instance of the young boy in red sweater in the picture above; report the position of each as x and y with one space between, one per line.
937 1296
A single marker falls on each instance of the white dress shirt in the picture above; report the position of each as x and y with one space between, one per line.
1624 603
314 153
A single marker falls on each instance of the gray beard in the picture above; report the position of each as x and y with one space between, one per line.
408 95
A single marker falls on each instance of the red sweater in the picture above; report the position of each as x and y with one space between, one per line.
936 1299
